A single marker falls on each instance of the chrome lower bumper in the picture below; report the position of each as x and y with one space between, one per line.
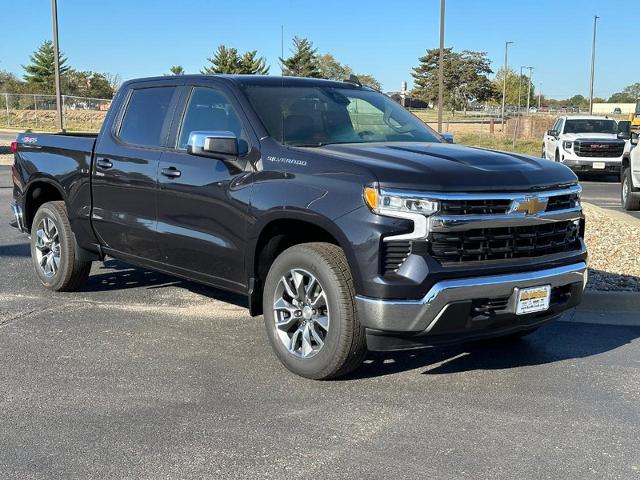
18 216
422 315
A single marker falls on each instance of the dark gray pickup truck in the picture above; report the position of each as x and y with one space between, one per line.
346 221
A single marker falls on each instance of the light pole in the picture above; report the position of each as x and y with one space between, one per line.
441 67
56 63
529 92
504 80
593 62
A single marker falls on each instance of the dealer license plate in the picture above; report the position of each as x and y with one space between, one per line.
534 299
598 165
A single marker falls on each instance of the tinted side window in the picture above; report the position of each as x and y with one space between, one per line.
145 116
560 125
209 110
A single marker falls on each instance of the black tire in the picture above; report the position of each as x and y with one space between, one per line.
344 346
630 200
557 157
544 152
70 272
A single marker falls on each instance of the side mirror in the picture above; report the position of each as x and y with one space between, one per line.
624 129
634 138
552 133
221 145
447 137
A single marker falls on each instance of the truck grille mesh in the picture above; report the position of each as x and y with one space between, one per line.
394 253
586 148
504 242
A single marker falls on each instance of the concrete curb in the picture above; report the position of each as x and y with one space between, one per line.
607 308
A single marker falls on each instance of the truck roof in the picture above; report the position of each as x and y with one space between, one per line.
263 80
587 117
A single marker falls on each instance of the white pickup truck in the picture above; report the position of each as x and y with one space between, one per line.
630 178
586 144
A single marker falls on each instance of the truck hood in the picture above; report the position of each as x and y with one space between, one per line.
442 167
590 136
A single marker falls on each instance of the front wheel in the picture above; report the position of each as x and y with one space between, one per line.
310 313
557 158
54 251
629 200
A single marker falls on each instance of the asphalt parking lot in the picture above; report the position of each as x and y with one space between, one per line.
604 192
141 375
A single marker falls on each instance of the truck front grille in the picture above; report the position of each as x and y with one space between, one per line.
563 202
598 149
474 207
504 242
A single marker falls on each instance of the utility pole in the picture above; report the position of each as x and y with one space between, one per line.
282 50
529 92
593 62
504 80
515 130
441 68
56 60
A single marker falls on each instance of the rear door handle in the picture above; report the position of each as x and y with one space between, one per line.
104 163
171 172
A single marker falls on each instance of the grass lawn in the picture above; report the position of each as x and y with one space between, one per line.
499 142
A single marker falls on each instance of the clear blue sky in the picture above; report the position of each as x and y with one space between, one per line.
144 37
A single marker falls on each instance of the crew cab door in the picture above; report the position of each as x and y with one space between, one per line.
203 202
125 171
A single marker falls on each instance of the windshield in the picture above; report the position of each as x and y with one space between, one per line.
313 116
591 126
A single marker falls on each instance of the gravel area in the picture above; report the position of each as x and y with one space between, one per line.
614 250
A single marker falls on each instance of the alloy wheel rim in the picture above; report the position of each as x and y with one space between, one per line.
301 313
625 189
48 247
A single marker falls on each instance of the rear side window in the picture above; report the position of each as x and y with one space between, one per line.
145 116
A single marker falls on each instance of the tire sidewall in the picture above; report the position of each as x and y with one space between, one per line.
306 259
63 272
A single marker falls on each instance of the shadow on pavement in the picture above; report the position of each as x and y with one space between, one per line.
15 250
121 276
554 342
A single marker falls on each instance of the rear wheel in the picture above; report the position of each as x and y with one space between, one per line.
54 251
310 314
629 199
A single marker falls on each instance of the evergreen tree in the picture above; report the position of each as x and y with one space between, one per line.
304 60
228 60
176 70
249 64
41 70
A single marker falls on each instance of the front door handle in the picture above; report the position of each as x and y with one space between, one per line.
171 172
104 163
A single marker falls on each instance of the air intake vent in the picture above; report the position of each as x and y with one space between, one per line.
394 253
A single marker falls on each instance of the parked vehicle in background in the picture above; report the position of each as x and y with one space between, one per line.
586 144
345 220
617 111
630 178
634 117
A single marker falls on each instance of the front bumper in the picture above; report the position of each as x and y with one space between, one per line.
18 216
586 164
451 307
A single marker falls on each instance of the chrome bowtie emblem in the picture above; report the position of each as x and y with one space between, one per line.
529 205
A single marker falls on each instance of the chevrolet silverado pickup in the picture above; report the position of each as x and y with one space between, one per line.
586 144
348 223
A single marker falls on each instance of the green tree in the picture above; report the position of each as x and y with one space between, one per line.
632 91
332 69
304 60
369 80
250 64
87 84
41 70
465 77
176 70
515 84
228 60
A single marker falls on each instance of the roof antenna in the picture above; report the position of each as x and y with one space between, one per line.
353 79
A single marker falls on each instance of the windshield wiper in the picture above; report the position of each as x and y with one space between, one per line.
316 144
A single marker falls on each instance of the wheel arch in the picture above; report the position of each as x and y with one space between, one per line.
280 230
37 193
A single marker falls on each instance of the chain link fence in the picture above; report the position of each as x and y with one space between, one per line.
38 112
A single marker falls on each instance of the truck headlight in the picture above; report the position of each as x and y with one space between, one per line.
391 203
402 205
567 145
